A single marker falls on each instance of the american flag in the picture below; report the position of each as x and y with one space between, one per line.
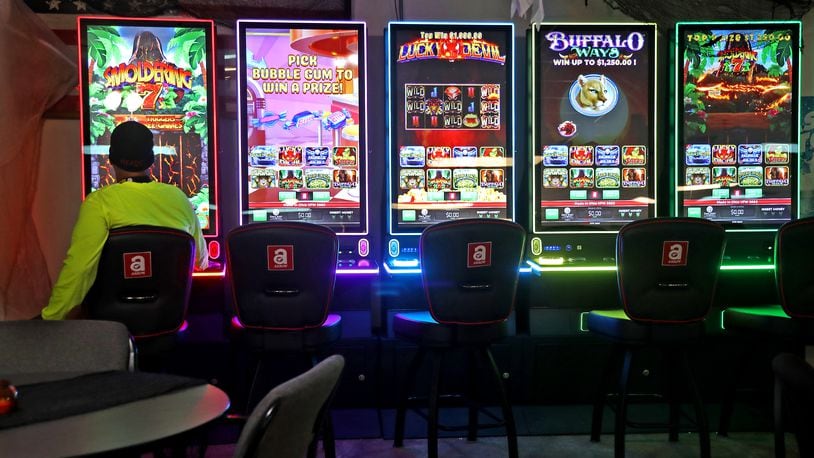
60 17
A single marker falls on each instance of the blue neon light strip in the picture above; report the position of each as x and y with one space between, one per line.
397 271
417 270
407 263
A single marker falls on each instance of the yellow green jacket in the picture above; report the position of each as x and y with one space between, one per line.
118 205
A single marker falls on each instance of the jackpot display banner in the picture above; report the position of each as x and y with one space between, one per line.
737 122
159 73
302 123
451 115
593 105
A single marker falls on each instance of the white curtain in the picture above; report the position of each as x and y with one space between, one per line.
36 70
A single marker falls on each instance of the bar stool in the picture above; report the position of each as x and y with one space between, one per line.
469 271
282 280
790 322
143 281
667 269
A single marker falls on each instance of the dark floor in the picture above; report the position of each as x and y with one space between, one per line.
738 445
543 431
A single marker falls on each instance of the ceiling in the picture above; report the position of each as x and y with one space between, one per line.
666 12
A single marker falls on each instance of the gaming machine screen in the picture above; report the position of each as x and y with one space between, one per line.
593 119
737 126
302 96
158 73
451 134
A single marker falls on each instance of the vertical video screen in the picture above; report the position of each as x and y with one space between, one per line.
451 89
738 123
594 152
159 74
302 117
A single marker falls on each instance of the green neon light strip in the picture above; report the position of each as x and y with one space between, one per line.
748 267
538 268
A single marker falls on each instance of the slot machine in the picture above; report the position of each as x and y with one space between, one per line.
158 72
450 139
303 156
302 132
450 106
736 142
593 160
450 154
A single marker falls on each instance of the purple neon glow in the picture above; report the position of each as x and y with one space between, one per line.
373 271
329 321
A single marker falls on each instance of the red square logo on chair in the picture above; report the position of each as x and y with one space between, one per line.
280 257
674 253
479 254
138 265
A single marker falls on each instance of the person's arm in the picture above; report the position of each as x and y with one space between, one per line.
79 268
201 251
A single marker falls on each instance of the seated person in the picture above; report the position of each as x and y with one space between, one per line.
135 199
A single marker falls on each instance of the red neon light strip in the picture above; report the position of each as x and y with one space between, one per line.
727 202
592 203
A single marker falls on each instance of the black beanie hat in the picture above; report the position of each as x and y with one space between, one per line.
131 147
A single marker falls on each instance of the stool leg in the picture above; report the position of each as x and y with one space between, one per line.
700 412
673 393
621 406
471 395
779 434
728 399
602 392
328 441
401 409
432 417
508 415
249 396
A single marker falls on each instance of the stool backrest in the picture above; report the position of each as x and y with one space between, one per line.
792 261
143 280
289 417
469 269
667 268
281 274
45 350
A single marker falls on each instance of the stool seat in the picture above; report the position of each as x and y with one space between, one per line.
768 319
294 340
616 325
421 328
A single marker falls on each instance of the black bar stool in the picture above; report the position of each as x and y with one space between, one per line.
667 269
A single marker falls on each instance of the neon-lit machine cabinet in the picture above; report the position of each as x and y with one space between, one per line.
592 146
737 132
302 130
159 73
450 106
